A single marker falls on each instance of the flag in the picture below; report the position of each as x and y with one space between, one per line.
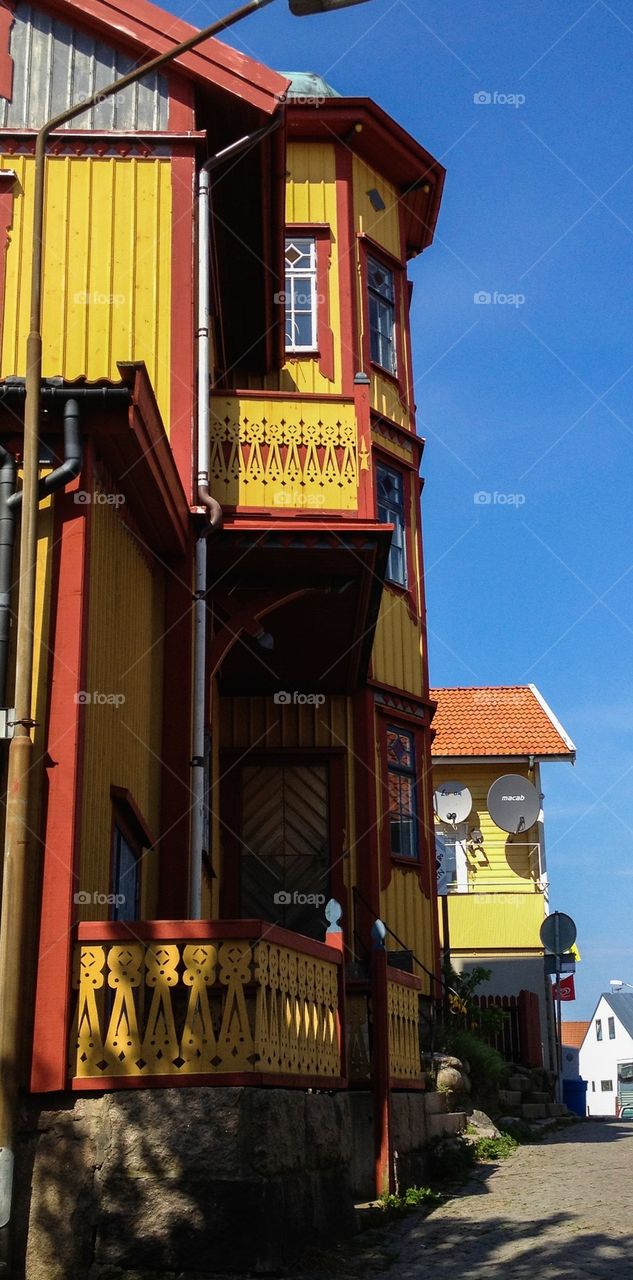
574 952
567 988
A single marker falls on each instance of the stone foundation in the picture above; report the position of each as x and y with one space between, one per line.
170 1182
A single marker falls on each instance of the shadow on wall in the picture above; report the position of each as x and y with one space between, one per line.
168 1181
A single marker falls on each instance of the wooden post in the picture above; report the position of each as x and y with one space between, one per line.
335 938
383 1148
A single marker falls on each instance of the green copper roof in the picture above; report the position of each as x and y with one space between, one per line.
307 84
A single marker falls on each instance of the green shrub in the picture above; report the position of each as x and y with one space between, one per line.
413 1198
495 1148
450 1159
487 1067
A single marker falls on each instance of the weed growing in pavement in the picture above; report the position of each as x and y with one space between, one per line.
495 1148
413 1198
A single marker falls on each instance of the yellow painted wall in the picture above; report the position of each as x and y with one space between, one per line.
397 652
503 921
507 909
406 910
107 294
122 746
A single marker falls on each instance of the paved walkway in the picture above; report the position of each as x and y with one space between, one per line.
559 1210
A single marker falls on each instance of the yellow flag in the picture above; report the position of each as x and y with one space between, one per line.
575 952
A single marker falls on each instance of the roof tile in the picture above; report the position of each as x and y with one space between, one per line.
507 720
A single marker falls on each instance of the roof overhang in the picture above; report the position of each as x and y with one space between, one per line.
527 760
371 134
151 30
316 591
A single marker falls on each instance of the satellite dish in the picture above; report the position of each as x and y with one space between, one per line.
453 802
558 932
513 803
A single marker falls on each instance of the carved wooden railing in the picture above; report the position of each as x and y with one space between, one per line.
403 1030
403 1005
191 1002
279 452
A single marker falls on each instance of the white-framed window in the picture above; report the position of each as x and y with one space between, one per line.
301 293
598 1029
452 862
381 291
606 1086
390 491
611 1026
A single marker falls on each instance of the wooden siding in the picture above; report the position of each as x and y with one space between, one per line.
122 744
397 652
481 922
409 913
107 291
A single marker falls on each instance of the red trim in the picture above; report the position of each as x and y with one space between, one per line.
346 237
182 115
383 1147
369 248
309 396
134 818
409 477
321 233
366 848
366 483
152 30
387 716
405 436
203 931
7 15
404 979
64 738
175 804
182 318
243 1079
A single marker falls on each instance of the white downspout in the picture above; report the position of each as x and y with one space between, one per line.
198 772
543 876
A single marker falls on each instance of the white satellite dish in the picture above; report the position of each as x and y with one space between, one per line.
453 802
514 803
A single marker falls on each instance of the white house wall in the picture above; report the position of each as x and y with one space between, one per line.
599 1061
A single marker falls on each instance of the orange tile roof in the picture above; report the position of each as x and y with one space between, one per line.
574 1033
508 720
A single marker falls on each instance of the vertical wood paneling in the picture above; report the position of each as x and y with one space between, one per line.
107 293
122 746
397 652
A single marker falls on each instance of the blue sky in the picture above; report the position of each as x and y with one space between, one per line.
531 397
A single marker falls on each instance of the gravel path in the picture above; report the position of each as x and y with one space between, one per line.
558 1210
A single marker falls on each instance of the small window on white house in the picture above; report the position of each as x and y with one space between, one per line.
382 315
598 1029
301 294
593 1086
606 1086
611 1026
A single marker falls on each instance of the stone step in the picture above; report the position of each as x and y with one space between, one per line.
446 1126
557 1109
535 1096
534 1111
518 1084
510 1097
435 1103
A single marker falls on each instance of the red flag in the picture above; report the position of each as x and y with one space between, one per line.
567 988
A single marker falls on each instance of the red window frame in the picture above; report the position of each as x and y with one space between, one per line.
410 591
386 717
370 248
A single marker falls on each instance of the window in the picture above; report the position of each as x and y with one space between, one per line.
382 315
403 825
126 876
390 488
611 1026
301 294
606 1086
593 1086
598 1029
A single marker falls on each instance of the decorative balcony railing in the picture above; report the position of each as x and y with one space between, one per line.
403 995
276 452
189 1002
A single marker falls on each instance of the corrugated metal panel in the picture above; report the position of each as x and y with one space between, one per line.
122 745
397 652
107 290
56 66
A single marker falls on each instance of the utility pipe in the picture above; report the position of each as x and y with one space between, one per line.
7 538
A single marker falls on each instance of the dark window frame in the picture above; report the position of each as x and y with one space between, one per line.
403 526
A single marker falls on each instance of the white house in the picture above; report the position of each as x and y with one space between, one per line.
606 1055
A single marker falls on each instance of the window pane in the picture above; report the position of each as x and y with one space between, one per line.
611 1025
598 1029
126 878
401 789
390 488
301 299
382 315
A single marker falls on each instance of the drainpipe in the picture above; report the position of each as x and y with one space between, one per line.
212 506
7 538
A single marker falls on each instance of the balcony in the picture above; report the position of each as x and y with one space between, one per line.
404 994
276 453
165 1003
